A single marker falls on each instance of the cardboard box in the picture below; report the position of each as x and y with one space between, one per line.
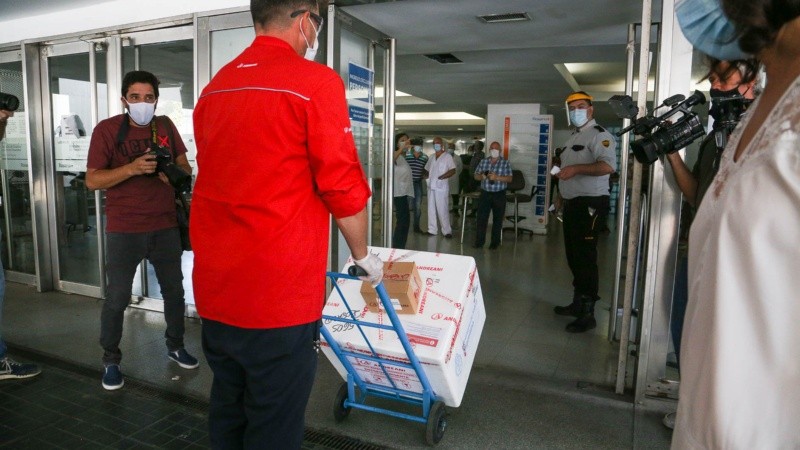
444 331
402 283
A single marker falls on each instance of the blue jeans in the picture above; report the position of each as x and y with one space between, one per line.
125 250
417 204
2 297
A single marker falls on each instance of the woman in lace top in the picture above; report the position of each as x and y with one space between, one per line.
740 361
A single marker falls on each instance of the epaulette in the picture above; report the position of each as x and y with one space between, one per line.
599 128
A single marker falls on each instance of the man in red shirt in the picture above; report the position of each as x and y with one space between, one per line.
141 221
276 158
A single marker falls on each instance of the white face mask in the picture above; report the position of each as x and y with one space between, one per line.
437 147
495 153
311 50
141 113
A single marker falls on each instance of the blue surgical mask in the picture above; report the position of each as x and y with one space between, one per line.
437 147
708 30
578 117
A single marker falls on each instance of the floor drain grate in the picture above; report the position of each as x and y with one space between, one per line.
329 441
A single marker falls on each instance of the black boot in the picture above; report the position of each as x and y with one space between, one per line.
585 320
573 309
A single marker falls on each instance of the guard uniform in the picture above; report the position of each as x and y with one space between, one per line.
586 204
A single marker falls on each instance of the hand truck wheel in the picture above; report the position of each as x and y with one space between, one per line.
437 423
340 412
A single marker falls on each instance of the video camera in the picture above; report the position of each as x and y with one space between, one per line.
669 137
178 178
8 102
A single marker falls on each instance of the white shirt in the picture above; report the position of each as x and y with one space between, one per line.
437 167
740 353
402 185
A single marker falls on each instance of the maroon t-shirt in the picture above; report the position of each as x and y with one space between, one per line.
141 203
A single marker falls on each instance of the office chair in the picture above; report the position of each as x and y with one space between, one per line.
512 195
516 218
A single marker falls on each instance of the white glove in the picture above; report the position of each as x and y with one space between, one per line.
374 268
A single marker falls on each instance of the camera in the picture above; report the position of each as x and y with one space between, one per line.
8 102
486 173
178 178
669 137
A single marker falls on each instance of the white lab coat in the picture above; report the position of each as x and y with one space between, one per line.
438 192
740 354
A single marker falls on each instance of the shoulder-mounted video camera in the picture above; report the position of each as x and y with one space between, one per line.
668 137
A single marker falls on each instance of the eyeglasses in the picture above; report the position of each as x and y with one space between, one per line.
317 18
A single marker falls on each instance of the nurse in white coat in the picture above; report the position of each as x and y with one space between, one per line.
439 168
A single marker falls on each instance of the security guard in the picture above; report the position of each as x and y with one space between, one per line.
588 159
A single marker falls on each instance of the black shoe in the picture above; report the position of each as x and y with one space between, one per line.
585 320
493 246
419 230
573 309
448 236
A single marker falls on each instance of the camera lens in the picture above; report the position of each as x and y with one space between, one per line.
8 102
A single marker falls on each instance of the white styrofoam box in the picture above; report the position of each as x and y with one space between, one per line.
444 333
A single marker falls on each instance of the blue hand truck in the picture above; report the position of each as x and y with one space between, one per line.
434 413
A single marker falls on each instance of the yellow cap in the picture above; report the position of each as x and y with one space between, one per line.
578 96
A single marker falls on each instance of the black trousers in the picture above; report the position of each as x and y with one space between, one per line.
262 381
583 219
402 206
494 202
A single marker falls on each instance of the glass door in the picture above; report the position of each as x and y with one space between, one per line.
77 95
364 58
169 55
15 196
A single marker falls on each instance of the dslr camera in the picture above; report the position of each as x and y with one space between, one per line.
8 102
668 137
178 178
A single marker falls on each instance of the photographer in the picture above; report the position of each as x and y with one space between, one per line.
732 85
587 161
140 213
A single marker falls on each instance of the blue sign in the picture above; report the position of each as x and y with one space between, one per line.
360 88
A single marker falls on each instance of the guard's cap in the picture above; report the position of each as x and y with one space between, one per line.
579 95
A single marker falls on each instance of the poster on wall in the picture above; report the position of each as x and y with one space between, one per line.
360 100
14 148
527 144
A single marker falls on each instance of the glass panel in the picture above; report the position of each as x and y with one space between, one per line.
173 64
228 44
70 88
17 244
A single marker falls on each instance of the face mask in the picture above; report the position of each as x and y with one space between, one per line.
437 147
417 148
708 30
401 144
494 153
311 50
578 117
142 112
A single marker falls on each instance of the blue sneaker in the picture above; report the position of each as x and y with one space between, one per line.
184 359
112 378
11 369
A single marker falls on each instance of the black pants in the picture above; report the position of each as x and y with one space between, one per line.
583 219
262 381
496 203
125 250
402 208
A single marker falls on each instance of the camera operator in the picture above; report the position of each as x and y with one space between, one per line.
588 159
141 217
731 81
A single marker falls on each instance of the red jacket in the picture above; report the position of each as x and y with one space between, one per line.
275 156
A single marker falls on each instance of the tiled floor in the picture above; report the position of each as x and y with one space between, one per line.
533 385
